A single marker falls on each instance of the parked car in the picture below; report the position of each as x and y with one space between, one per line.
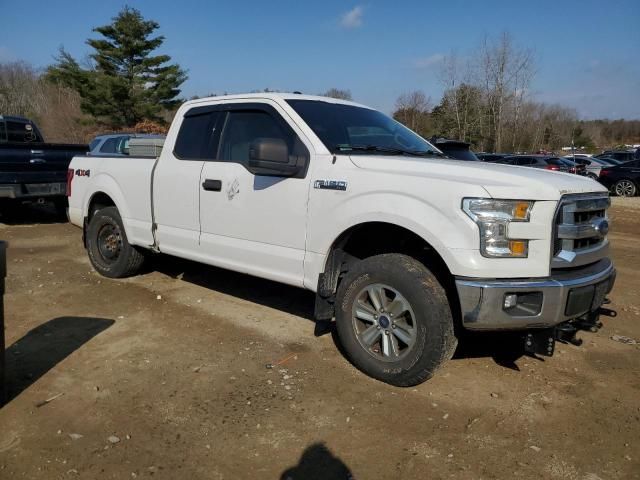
592 165
571 156
574 167
491 157
621 155
623 180
115 144
397 242
455 149
545 162
30 169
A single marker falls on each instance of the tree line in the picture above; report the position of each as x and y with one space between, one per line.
125 84
488 102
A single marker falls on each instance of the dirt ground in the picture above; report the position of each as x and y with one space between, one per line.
164 375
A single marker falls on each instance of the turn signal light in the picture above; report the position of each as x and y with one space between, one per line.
521 210
518 247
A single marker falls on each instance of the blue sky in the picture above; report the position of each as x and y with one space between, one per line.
588 52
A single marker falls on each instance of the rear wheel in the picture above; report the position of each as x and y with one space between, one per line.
625 188
592 176
393 320
109 251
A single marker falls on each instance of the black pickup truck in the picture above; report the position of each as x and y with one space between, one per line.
30 169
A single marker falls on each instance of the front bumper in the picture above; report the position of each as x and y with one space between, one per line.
545 302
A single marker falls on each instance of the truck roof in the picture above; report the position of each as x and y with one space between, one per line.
274 96
15 117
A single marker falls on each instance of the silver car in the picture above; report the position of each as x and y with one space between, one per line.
593 165
115 144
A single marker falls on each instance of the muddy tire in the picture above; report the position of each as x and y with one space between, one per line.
393 320
109 251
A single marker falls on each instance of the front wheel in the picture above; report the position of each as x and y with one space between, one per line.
394 320
625 188
109 251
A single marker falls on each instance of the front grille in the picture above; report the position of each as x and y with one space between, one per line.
580 228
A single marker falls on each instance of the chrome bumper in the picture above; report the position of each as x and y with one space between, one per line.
546 302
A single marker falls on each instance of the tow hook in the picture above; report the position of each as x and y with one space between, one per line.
542 342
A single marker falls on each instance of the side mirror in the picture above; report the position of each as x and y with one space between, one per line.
270 156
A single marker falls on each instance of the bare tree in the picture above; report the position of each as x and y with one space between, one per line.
412 109
504 69
56 109
461 99
338 93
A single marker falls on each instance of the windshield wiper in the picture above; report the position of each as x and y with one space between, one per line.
391 150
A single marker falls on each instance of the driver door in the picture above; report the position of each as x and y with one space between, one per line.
252 223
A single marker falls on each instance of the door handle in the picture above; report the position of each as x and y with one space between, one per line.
212 185
37 160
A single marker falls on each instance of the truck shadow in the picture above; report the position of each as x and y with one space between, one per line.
503 348
44 347
295 301
26 214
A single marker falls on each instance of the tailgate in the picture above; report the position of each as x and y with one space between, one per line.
36 163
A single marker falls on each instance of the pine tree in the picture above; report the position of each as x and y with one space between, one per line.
126 83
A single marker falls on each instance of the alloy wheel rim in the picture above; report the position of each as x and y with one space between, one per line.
384 322
624 188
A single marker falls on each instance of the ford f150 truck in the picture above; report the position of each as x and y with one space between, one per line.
30 169
403 246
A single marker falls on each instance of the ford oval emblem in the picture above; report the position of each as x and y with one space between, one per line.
601 226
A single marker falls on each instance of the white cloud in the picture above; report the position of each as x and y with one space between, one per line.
429 61
352 18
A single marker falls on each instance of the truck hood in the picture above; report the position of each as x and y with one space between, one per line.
500 181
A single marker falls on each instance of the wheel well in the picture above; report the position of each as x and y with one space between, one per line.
98 201
375 238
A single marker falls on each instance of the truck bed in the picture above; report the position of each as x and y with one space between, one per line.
120 178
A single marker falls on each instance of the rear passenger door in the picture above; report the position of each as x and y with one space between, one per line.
176 181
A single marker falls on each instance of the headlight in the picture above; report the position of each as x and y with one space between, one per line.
493 218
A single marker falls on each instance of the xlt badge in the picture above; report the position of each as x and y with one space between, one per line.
330 184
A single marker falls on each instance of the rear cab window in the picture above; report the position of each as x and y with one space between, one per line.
196 137
21 132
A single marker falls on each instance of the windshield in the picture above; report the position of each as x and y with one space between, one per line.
346 128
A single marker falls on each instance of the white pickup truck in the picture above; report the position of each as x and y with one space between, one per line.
403 246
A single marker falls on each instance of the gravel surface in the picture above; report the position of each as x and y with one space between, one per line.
166 375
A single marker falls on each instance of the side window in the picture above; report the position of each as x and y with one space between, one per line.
110 145
194 137
244 127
